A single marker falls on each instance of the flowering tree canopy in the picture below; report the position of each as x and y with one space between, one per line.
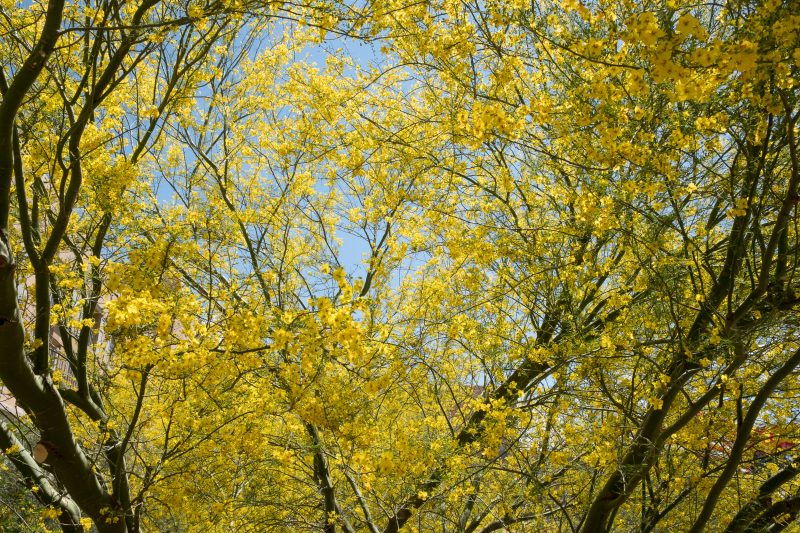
447 265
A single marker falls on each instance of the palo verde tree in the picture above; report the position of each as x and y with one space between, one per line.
88 92
616 219
507 266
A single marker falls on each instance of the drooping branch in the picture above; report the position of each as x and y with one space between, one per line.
758 505
742 436
34 476
777 517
